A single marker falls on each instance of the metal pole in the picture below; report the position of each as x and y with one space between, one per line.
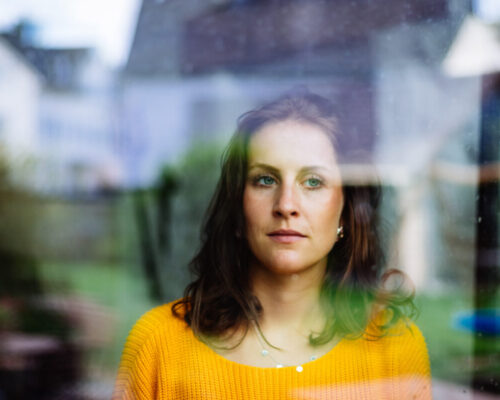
487 261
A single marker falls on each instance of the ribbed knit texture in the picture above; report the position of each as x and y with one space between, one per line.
162 359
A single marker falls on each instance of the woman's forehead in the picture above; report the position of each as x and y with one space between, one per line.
292 142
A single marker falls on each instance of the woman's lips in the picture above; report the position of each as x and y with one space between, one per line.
285 236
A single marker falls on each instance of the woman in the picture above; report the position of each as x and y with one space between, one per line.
289 300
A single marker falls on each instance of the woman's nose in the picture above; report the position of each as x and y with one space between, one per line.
286 202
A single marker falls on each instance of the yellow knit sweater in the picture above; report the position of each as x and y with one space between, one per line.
163 359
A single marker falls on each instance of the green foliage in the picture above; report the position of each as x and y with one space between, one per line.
40 321
196 176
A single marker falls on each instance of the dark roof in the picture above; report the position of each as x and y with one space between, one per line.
157 39
192 36
60 67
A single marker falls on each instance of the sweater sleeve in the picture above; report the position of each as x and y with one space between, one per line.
137 374
414 366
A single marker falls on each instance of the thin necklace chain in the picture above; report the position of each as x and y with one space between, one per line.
266 353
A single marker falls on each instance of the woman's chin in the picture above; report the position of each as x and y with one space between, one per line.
287 266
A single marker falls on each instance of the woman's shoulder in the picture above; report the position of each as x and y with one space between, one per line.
384 324
156 332
159 320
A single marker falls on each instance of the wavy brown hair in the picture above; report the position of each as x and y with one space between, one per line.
220 298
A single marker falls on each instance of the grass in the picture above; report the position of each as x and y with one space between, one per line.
451 350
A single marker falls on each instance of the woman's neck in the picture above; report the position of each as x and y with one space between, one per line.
291 311
289 301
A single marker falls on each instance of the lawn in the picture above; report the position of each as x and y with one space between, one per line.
451 349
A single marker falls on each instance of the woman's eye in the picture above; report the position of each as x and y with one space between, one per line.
265 180
313 182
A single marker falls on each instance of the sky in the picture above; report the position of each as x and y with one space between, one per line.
488 10
107 25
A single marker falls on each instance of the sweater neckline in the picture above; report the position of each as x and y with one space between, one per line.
207 349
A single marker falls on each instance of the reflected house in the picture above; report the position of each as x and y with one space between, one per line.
20 87
195 66
76 140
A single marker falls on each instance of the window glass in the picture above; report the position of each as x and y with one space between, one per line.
113 121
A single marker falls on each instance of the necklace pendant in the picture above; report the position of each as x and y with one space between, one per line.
264 352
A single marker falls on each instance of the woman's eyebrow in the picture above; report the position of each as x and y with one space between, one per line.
266 167
314 168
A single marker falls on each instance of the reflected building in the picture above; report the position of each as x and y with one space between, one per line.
20 90
74 148
195 66
231 55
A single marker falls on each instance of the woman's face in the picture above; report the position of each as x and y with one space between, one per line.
293 197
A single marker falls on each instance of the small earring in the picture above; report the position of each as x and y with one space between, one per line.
340 231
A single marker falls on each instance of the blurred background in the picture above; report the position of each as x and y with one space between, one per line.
113 117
